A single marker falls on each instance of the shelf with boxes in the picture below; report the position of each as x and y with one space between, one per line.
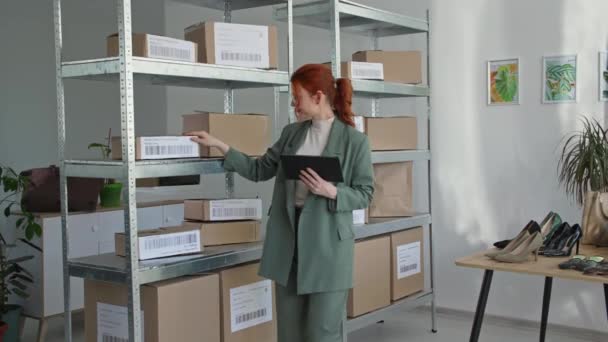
234 4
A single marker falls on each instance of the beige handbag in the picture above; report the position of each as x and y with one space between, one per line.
595 218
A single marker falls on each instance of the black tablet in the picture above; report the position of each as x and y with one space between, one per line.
328 168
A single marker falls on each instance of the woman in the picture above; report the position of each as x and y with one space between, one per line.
308 250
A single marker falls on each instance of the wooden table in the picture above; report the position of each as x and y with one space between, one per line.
547 267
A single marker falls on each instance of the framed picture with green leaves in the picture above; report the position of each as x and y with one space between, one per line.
503 82
560 79
603 76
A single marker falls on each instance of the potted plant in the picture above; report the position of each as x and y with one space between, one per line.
112 190
14 279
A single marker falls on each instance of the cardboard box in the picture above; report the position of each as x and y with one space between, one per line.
225 233
151 148
249 46
360 216
248 305
151 46
361 70
162 242
167 181
389 133
372 276
399 66
393 195
407 263
223 209
189 306
248 133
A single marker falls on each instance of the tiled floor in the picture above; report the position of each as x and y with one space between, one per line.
406 326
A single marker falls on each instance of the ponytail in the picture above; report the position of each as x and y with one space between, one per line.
343 101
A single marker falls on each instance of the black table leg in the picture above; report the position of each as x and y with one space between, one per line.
606 298
546 301
481 305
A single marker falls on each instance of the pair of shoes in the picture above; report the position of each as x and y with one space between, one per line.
530 228
547 227
561 244
600 268
519 249
581 263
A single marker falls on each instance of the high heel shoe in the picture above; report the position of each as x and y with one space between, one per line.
530 228
566 242
522 252
555 238
548 227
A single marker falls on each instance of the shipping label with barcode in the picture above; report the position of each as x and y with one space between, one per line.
360 124
113 323
237 209
250 305
164 245
408 259
367 71
242 45
168 148
170 48
359 216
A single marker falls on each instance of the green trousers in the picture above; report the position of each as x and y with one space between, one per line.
315 317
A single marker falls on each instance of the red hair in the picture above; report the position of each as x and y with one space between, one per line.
315 77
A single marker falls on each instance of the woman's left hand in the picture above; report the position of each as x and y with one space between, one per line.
318 185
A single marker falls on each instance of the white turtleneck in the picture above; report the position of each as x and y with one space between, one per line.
314 144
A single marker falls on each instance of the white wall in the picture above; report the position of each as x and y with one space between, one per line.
495 167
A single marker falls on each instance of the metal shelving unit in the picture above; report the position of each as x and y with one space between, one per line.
126 69
339 16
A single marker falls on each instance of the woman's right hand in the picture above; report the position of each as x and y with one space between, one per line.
206 139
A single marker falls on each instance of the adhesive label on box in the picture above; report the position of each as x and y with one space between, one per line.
170 48
236 209
241 45
408 260
168 147
359 216
367 71
164 245
360 123
113 323
250 305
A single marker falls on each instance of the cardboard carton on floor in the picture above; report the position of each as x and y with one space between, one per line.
188 305
223 209
225 233
162 147
407 263
399 66
162 242
248 305
249 46
389 133
372 277
393 195
151 46
361 70
248 133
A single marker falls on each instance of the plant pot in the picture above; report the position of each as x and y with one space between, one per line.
11 318
110 195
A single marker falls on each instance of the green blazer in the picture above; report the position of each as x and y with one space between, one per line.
325 234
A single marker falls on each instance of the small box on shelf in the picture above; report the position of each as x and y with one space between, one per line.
399 66
389 133
407 262
161 147
226 233
223 209
361 70
162 242
159 47
393 195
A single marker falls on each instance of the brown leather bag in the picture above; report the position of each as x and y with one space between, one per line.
595 218
42 193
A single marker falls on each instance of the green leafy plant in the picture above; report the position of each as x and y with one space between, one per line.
561 78
13 185
105 150
583 165
14 279
506 83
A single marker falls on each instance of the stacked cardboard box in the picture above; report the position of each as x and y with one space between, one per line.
399 66
151 46
407 263
163 242
389 133
224 221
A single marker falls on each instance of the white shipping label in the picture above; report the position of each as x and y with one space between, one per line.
360 123
408 259
367 71
170 48
113 323
359 216
168 147
250 305
237 209
241 45
164 245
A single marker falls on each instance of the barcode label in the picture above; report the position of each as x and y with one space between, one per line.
108 338
250 305
365 70
170 48
359 216
168 147
158 246
242 45
113 323
408 260
240 56
241 209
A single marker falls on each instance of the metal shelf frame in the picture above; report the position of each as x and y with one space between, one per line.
125 69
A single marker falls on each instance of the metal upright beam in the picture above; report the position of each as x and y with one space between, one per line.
229 102
334 28
290 66
127 117
67 309
375 46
